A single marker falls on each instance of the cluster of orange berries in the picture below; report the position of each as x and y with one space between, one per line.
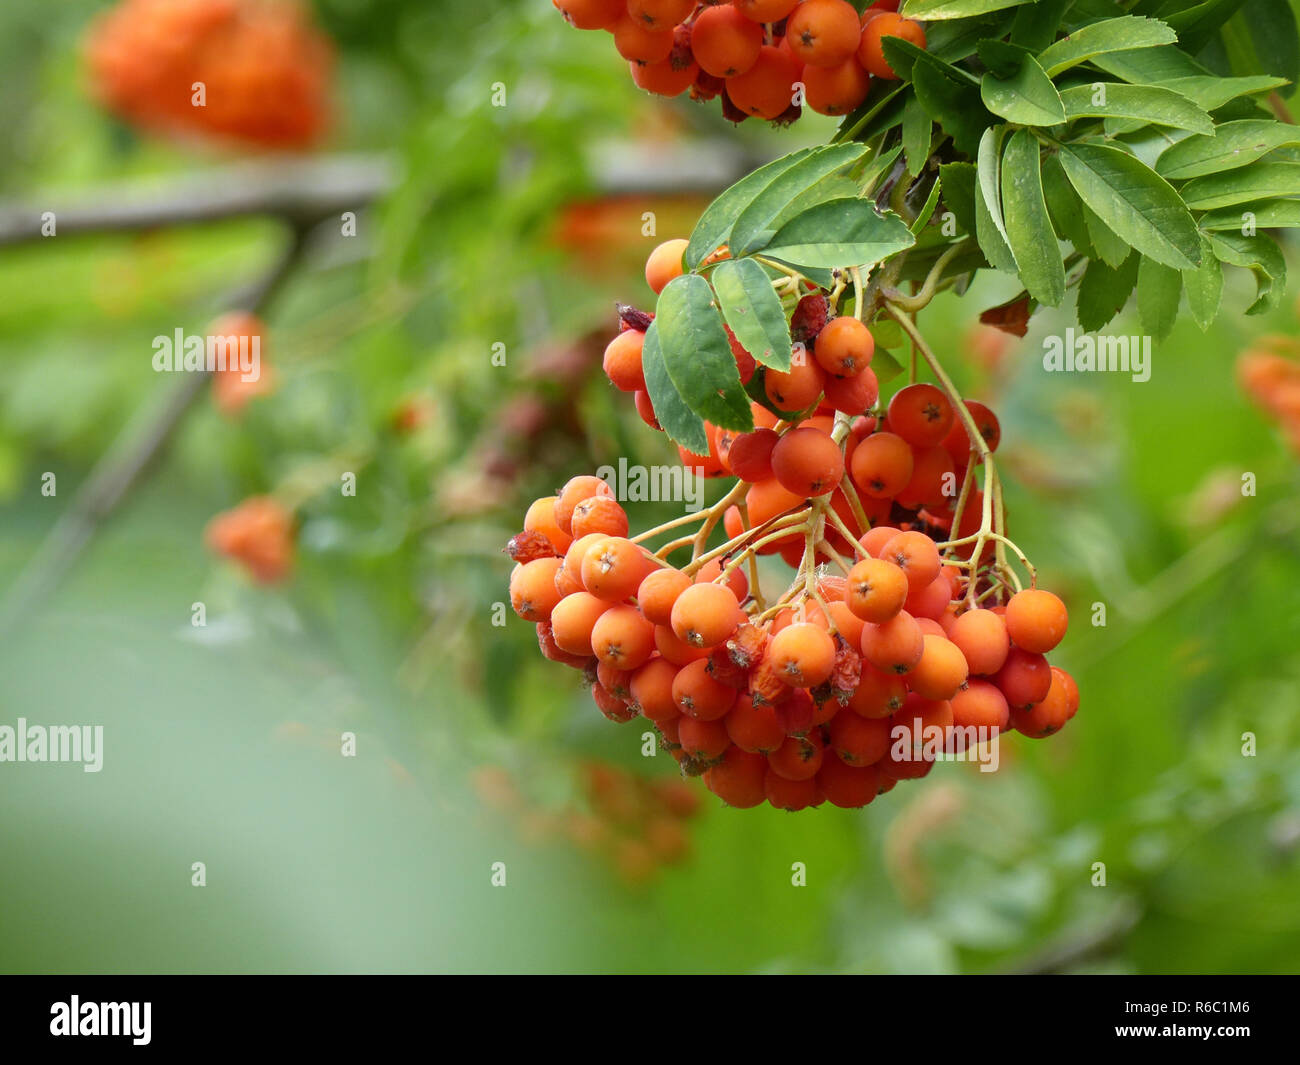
751 54
258 534
1273 381
255 71
636 824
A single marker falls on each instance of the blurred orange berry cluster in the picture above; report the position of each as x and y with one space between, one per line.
259 534
1272 381
636 824
254 71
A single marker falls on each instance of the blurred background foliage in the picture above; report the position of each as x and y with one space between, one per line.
521 225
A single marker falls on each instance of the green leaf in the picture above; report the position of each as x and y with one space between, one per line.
1104 290
1036 24
1027 98
845 232
937 10
954 105
926 212
1210 93
1135 202
916 135
1144 66
714 227
1233 144
1112 249
1195 25
1146 103
1159 289
1205 286
697 354
751 307
756 223
958 180
682 424
1065 207
884 365
1029 230
1267 214
1260 255
1260 182
990 228
1124 34
1271 26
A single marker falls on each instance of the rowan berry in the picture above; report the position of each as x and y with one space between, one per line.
882 465
614 680
836 90
804 655
958 442
860 740
622 361
916 555
614 708
981 635
921 414
871 53
768 499
540 517
706 614
665 263
878 694
893 646
669 77
677 651
738 778
980 704
724 42
645 408
258 533
705 740
877 589
941 671
766 89
933 482
532 589
658 592
1052 712
797 389
572 620
622 637
658 14
874 540
754 728
698 695
791 795
575 490
930 603
599 514
592 14
554 652
750 455
807 462
613 568
765 10
849 787
1036 620
528 546
799 757
651 689
736 579
844 347
823 33
635 40
853 395
1024 678
847 623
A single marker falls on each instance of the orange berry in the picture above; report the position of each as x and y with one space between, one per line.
799 757
876 538
645 408
871 53
635 40
660 14
933 482
1053 711
836 90
798 389
651 690
658 592
1024 678
767 499
750 455
706 614
572 620
592 14
921 413
958 444
893 646
622 637
540 517
613 568
677 651
724 42
916 555
881 465
823 33
767 88
844 347
622 361
666 78
568 579
807 462
876 590
941 671
665 263
259 534
860 740
980 704
698 695
736 579
705 740
791 795
878 694
575 490
847 623
532 589
599 514
931 601
804 655
765 10
1036 620
754 728
849 787
853 395
981 635
738 778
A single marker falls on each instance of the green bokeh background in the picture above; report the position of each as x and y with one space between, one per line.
222 742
